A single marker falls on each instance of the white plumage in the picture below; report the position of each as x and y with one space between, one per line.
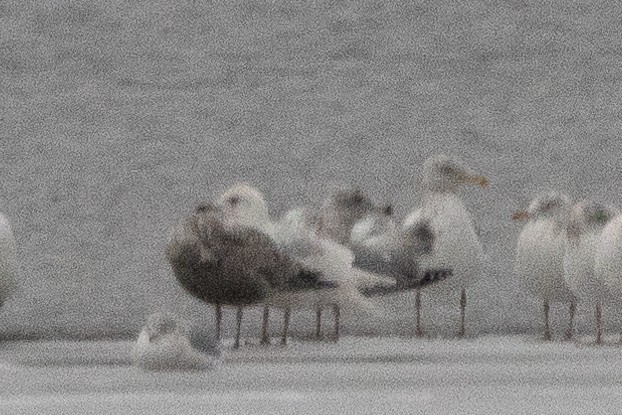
455 245
8 260
540 251
163 344
608 259
587 221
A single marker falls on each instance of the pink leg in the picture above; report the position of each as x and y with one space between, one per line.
463 301
418 329
318 323
570 331
286 316
337 312
599 324
547 329
238 330
264 326
218 311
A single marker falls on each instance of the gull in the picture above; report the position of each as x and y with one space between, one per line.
444 222
297 235
540 252
236 266
587 221
8 260
608 260
164 344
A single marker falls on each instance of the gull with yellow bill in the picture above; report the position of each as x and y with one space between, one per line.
456 244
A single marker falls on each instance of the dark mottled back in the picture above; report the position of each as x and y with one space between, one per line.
237 267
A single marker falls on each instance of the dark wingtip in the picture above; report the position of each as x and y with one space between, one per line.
410 282
435 275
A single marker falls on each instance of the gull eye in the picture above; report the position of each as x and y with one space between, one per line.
447 169
552 204
234 200
204 207
358 198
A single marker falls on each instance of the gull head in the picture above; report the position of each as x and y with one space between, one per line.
351 203
243 205
444 174
549 205
587 216
162 324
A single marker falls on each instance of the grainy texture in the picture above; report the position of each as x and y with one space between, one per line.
505 375
116 118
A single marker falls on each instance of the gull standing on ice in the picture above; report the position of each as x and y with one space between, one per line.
540 253
233 266
608 261
245 206
334 221
8 260
587 221
444 220
164 344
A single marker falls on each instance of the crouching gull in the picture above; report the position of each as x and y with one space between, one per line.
236 266
540 252
164 344
296 235
587 221
443 222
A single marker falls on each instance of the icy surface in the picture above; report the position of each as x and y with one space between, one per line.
516 374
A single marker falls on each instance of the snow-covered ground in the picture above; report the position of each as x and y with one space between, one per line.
509 374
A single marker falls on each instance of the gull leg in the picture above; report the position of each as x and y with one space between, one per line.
286 315
599 324
264 326
463 301
547 329
318 323
218 311
238 330
337 312
418 329
569 332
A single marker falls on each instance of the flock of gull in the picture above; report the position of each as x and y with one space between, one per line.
339 256
571 254
230 252
349 250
